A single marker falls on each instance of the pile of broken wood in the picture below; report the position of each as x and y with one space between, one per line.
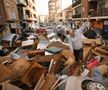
41 69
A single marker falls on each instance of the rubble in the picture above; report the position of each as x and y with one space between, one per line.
19 67
38 64
8 86
33 74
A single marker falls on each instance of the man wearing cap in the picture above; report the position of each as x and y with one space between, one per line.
75 41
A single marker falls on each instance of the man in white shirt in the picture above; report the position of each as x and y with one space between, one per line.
75 41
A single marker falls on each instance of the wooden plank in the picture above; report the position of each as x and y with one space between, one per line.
67 54
100 50
98 54
35 44
27 43
33 74
89 41
57 64
5 73
49 81
59 45
2 13
8 86
46 58
34 52
5 59
86 52
41 80
19 67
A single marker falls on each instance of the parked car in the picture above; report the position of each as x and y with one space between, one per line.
41 30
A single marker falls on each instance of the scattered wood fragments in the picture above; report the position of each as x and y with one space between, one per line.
50 68
8 86
89 41
47 83
5 73
19 67
33 74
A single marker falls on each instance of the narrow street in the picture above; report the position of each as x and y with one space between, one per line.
54 44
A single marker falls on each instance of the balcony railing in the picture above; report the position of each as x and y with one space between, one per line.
93 0
27 17
76 16
99 12
21 3
77 2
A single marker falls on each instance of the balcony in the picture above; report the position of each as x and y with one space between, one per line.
21 3
27 17
99 12
76 16
93 0
77 2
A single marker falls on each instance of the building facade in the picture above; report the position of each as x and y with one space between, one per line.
67 15
20 5
52 10
9 18
30 17
58 15
43 18
97 9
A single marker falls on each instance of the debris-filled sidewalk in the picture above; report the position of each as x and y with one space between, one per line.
45 62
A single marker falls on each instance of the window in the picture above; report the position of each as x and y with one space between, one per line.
33 1
101 5
73 1
33 7
78 10
52 4
27 13
34 15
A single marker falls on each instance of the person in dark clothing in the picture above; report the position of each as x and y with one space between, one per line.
90 34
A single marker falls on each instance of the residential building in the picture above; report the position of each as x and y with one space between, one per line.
43 18
9 19
76 11
30 17
67 15
62 6
97 9
20 5
58 15
52 10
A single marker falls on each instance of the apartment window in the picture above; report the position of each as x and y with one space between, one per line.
73 12
35 15
73 1
53 7
52 4
30 4
33 1
27 13
52 10
101 5
78 10
33 7
31 15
